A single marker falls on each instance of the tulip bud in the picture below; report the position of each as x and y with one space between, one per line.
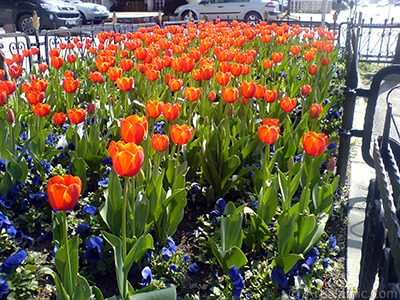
231 111
331 164
10 116
91 109
306 90
212 96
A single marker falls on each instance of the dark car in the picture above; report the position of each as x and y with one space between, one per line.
52 14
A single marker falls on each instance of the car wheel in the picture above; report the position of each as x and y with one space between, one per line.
25 24
253 17
83 17
186 16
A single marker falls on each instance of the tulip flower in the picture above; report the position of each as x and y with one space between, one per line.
270 96
39 85
315 110
2 73
127 158
152 74
102 66
192 93
212 96
18 58
248 89
236 69
96 77
10 116
42 68
41 110
306 90
277 57
313 69
268 63
70 85
295 50
169 77
64 192
114 73
71 58
126 64
59 118
260 91
288 104
171 112
225 67
222 78
230 94
140 53
207 71
325 61
3 97
15 71
76 116
57 62
181 134
160 142
309 55
196 74
268 134
133 129
175 84
154 108
187 64
124 83
34 97
91 109
314 144
331 164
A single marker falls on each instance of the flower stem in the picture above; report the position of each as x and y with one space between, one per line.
70 285
124 218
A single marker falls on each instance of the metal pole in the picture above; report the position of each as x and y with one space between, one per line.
323 14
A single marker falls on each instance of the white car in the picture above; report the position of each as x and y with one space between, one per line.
249 11
90 11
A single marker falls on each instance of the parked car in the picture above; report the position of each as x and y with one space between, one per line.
90 12
250 10
383 3
52 13
282 5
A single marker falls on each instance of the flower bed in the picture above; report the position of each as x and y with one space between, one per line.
217 135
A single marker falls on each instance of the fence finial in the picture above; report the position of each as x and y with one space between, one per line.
35 20
114 18
160 16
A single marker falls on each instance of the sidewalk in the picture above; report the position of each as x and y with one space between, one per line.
361 174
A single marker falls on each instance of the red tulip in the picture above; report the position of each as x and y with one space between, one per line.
277 57
270 96
212 96
288 104
230 94
313 69
306 90
175 84
76 116
171 112
315 110
160 142
192 93
181 134
154 108
248 89
3 97
57 62
268 63
125 83
41 110
127 158
133 129
70 85
59 118
126 64
114 73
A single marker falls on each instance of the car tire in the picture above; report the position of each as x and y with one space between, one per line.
83 18
185 15
25 24
253 17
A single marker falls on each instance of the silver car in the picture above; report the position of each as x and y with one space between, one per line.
250 10
91 12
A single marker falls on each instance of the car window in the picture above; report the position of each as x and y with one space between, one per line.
229 1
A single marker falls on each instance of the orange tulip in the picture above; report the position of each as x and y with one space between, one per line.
59 118
8 86
152 74
192 93
325 61
126 64
102 66
187 64
154 108
140 53
18 58
277 57
70 85
222 78
71 58
314 144
181 134
64 192
127 158
207 71
169 77
230 94
270 96
114 73
69 73
171 112
288 104
268 133
26 52
196 74
309 55
295 50
268 63
306 90
260 91
246 69
35 97
313 69
41 110
2 73
133 129
328 48
248 89
15 71
34 51
315 110
175 84
212 96
160 142
76 116
57 62
39 85
225 66
42 68
125 83
96 77
236 69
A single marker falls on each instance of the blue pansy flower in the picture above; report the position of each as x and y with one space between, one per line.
325 262
38 199
171 244
147 276
4 289
221 204
46 165
89 209
2 165
12 194
311 256
193 268
24 135
234 274
332 242
107 162
331 146
49 142
194 188
279 276
93 252
5 202
107 171
186 259
46 236
305 268
71 147
103 182
36 180
173 268
166 253
213 216
148 256
294 270
24 203
11 231
13 261
84 229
